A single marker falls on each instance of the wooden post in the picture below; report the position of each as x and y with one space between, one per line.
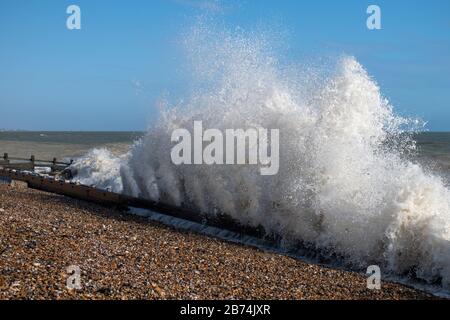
53 167
32 162
5 156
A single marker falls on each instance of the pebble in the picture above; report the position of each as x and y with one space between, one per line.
163 264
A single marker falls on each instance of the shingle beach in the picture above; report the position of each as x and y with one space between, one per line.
121 256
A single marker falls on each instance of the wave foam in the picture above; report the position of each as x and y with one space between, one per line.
344 182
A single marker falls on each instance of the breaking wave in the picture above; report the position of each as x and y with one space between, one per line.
100 168
346 181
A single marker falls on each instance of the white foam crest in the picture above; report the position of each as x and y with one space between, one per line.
99 168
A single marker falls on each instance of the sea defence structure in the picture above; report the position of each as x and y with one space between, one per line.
57 180
30 164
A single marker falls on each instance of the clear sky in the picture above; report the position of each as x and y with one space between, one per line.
52 78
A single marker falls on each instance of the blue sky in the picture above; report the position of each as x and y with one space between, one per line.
52 78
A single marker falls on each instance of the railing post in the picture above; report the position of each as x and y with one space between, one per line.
53 167
32 162
5 156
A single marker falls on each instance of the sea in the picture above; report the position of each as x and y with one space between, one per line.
63 145
433 148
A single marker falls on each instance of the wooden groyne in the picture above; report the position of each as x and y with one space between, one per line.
56 185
